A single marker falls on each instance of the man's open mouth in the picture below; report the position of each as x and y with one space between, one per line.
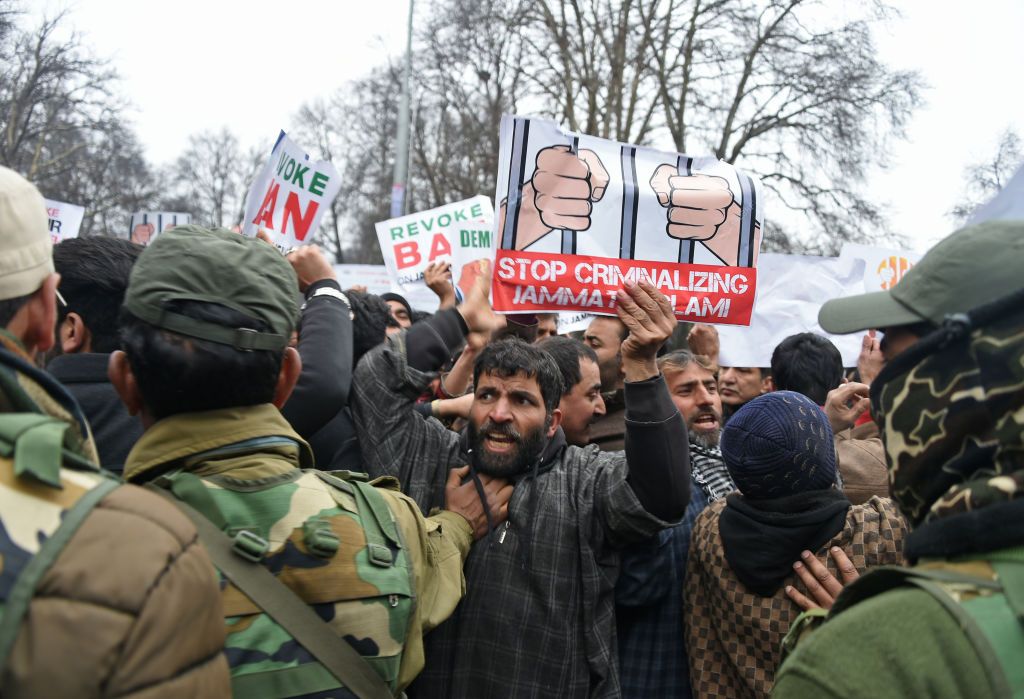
705 421
496 441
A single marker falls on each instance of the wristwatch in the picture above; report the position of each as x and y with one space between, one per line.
334 293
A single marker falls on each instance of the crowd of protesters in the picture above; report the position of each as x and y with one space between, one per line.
310 491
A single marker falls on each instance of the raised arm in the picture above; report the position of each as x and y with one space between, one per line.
395 441
325 345
657 452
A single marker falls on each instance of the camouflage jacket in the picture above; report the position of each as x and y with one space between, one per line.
107 616
241 468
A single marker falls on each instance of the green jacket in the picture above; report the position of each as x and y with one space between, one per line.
899 643
245 468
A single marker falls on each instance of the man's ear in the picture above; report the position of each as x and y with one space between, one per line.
73 336
291 368
767 384
119 371
41 315
556 420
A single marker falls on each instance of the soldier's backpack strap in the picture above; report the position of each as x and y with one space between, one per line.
379 526
991 614
282 605
34 443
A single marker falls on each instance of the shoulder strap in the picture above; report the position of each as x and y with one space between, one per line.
287 609
25 586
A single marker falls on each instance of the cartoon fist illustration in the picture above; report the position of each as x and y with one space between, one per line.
561 194
142 233
700 208
697 204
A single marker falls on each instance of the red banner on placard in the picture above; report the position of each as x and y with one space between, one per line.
525 282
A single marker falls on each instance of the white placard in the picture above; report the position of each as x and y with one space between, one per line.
289 197
65 219
459 233
883 267
790 291
377 281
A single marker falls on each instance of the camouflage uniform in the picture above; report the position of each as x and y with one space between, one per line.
951 414
381 589
110 611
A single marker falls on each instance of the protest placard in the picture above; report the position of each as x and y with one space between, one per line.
147 225
65 219
289 196
573 322
458 233
790 291
883 267
1006 205
377 280
577 215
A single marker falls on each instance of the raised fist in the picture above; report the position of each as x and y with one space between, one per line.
697 204
560 195
565 186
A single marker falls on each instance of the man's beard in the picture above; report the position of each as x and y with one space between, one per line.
611 374
517 460
707 439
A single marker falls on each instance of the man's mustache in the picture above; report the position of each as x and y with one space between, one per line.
706 412
503 429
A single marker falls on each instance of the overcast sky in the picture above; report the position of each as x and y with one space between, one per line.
190 65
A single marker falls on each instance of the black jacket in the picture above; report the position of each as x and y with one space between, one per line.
114 430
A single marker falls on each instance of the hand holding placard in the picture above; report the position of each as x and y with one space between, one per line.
649 316
476 309
438 278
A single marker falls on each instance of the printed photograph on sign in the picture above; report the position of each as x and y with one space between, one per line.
577 215
147 225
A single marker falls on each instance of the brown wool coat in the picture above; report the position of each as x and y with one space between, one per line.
137 615
733 637
860 458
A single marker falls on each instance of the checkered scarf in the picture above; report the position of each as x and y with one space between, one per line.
709 472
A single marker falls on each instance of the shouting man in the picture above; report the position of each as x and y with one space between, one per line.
537 619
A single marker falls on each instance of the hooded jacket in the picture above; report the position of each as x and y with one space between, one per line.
950 410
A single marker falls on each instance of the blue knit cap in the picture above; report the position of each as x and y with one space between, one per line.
779 444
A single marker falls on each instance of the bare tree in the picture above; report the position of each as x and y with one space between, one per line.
8 12
354 129
111 179
468 71
986 179
589 64
62 124
211 177
787 89
777 87
53 95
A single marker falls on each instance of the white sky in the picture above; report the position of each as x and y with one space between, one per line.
189 65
